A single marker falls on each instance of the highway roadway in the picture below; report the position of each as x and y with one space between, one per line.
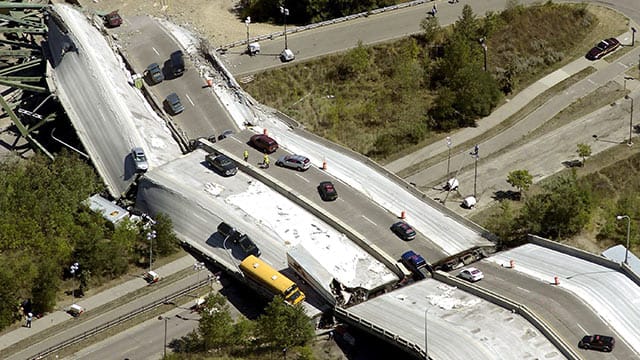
318 155
204 115
383 27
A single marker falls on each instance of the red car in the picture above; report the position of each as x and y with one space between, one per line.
603 48
264 143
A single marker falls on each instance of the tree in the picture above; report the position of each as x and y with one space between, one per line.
284 326
431 28
520 179
584 151
215 326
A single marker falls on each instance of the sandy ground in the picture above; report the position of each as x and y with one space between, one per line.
214 20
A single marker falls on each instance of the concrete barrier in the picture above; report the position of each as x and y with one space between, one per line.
569 250
308 205
513 306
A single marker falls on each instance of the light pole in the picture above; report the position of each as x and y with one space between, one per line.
626 253
247 21
449 143
426 338
483 43
633 36
284 11
150 236
197 267
630 119
73 269
476 155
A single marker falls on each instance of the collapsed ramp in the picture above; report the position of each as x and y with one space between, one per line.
197 199
110 116
448 323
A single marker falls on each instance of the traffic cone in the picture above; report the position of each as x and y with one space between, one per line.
209 82
324 164
265 132
403 215
556 280
512 264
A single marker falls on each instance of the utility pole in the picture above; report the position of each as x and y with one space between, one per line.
476 154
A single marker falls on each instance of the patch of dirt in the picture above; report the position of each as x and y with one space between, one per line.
214 20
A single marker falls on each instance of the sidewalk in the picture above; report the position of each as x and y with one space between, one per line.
93 302
502 113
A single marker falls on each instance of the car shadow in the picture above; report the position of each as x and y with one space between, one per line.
129 167
572 163
217 240
506 195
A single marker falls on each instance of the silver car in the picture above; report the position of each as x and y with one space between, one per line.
298 162
140 159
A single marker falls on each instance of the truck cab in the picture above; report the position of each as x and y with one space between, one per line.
416 264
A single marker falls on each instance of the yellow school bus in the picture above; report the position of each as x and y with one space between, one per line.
267 277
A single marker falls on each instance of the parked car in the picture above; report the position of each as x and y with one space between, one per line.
139 159
403 230
173 104
597 342
297 162
603 48
227 230
471 274
264 143
469 202
248 246
113 19
416 264
287 55
177 63
155 73
225 134
222 164
327 191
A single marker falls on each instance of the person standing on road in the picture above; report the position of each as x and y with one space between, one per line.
245 155
29 319
265 161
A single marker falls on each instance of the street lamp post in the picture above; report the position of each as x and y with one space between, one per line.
630 119
626 253
633 36
73 269
197 267
150 236
426 338
449 143
165 338
284 11
247 21
476 155
483 43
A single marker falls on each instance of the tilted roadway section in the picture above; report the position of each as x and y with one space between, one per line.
293 146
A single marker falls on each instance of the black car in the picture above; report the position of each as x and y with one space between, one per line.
403 230
597 342
247 245
603 48
173 104
155 73
177 63
327 191
222 164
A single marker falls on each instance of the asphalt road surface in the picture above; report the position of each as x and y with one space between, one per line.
204 115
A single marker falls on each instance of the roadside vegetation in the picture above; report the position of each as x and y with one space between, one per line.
578 206
384 99
308 11
46 227
280 331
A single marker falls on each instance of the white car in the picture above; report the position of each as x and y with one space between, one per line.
140 159
471 274
298 162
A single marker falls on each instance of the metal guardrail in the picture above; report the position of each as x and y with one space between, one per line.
320 24
119 320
